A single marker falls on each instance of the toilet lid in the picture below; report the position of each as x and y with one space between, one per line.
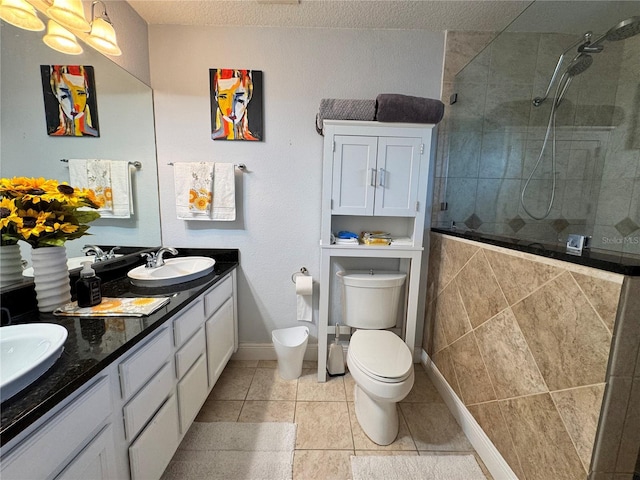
381 354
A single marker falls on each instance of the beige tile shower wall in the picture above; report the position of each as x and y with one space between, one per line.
524 341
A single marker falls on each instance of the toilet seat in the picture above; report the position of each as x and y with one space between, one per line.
381 355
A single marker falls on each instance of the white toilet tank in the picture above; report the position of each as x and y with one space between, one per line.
370 299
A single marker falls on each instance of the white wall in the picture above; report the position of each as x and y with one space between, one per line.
278 226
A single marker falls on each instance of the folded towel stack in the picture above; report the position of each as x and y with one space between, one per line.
110 180
392 107
346 238
344 109
376 238
205 191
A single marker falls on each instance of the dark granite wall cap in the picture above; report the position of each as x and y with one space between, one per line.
616 262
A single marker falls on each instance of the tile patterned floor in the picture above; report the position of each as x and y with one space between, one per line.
328 433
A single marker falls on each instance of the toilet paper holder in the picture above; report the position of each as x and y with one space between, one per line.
303 271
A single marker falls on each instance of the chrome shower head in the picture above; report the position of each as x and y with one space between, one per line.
625 29
579 64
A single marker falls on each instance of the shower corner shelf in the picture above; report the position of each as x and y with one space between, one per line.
397 161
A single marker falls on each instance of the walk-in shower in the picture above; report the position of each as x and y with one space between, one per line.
578 64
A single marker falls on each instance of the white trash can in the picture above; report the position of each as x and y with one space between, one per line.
290 344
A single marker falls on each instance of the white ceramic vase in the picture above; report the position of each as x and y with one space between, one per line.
10 264
51 277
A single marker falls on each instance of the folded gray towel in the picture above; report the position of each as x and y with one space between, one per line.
344 109
393 107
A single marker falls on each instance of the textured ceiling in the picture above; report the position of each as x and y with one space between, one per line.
433 15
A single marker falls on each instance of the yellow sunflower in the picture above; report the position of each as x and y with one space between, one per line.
9 213
202 203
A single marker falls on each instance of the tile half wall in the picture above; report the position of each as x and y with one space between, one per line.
524 341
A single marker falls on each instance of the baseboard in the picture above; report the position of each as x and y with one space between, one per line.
493 460
265 351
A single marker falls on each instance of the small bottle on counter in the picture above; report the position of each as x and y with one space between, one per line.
88 287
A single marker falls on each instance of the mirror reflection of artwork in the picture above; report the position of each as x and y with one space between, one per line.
236 104
70 100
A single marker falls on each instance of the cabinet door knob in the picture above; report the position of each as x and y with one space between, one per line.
373 177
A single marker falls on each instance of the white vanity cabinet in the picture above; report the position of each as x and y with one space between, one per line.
375 177
75 438
221 328
128 422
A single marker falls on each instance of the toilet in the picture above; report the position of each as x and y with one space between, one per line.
379 361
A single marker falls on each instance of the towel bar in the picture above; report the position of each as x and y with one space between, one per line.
239 166
136 164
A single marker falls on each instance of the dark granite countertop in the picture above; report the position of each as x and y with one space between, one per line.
617 262
94 343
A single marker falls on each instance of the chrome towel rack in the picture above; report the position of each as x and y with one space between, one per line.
239 166
136 164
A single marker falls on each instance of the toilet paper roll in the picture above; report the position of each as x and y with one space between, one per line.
304 297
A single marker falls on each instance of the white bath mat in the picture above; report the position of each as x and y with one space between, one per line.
413 467
238 451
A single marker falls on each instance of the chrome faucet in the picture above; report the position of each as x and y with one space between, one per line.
156 259
100 254
96 250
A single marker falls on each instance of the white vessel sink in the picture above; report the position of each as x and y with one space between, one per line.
73 262
26 352
174 271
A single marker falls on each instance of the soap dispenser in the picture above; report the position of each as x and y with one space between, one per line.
88 287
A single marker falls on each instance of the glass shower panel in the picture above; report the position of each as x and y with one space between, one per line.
499 175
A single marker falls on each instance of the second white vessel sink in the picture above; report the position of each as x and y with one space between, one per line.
174 271
26 352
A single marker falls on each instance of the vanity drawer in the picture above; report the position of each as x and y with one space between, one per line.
141 407
188 322
152 451
142 365
192 392
51 445
215 297
189 353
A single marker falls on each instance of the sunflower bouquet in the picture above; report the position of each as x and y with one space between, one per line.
44 213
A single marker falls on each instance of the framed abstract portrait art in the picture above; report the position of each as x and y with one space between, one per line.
236 104
70 100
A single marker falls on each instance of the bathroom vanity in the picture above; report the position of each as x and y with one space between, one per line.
126 390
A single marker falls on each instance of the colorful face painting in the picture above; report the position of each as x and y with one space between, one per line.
70 100
236 104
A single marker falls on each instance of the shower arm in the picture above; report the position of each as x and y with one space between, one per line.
584 40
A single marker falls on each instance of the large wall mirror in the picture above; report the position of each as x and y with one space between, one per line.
125 114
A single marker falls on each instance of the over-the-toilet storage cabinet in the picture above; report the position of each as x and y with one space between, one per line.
376 176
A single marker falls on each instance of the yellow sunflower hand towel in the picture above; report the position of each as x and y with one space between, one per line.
193 184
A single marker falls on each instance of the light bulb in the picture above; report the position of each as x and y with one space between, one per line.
61 39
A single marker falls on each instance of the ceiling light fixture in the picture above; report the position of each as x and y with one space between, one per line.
69 14
102 36
20 14
61 39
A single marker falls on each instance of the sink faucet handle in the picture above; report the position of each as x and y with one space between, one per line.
112 253
150 258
